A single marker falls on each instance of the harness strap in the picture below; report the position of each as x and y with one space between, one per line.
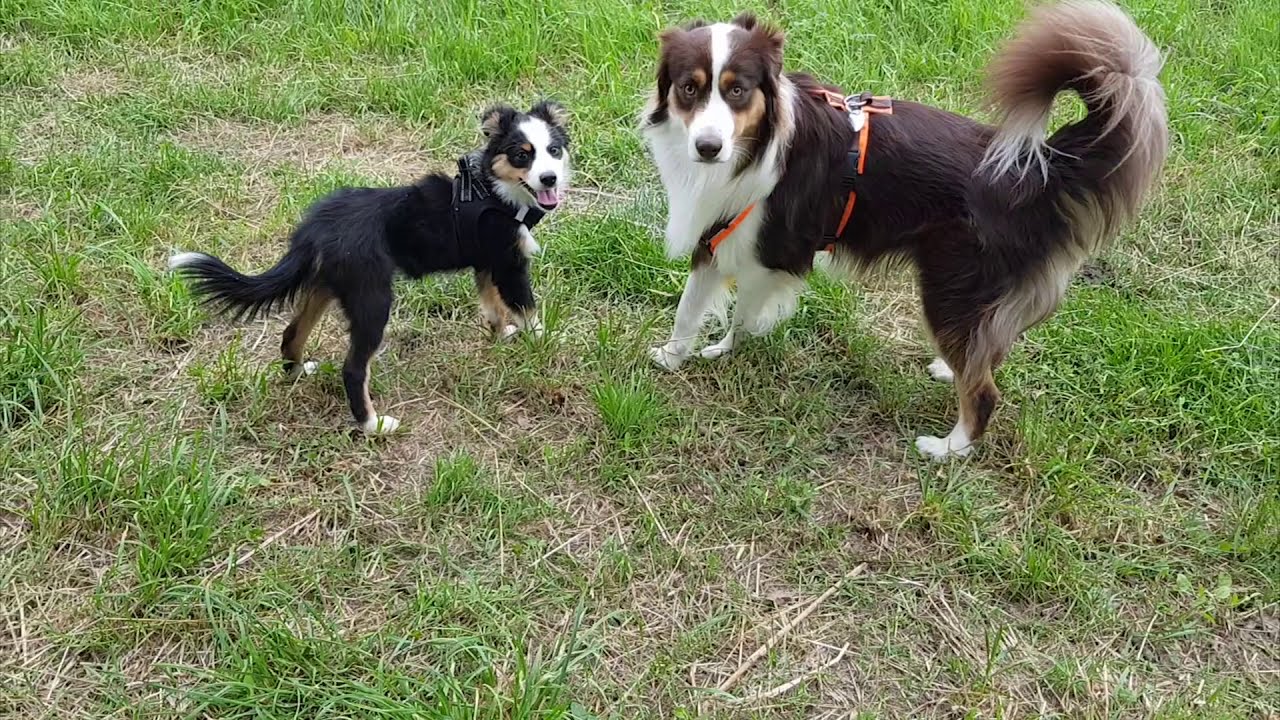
728 230
860 108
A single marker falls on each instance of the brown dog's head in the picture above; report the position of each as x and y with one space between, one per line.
718 82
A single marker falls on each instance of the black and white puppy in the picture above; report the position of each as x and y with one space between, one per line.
352 243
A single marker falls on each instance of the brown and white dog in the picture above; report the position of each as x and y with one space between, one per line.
994 219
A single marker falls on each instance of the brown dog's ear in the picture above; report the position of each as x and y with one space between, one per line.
665 39
496 120
746 20
552 112
769 39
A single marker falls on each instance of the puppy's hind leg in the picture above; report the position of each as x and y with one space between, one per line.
294 341
368 312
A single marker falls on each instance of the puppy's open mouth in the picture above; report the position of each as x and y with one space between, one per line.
547 199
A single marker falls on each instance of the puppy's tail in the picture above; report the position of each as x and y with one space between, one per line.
1107 161
241 296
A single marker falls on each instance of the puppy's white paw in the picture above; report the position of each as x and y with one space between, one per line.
534 327
310 367
667 357
508 332
379 425
936 448
941 371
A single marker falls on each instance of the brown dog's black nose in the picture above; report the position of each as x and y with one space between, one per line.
708 148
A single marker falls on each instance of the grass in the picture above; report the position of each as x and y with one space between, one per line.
560 531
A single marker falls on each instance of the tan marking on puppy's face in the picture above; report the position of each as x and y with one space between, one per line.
505 171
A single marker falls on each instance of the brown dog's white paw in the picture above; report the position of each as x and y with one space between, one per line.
936 448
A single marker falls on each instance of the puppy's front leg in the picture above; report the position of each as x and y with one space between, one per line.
492 309
516 290
528 245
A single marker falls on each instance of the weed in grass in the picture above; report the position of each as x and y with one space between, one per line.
455 480
231 376
632 410
167 503
40 358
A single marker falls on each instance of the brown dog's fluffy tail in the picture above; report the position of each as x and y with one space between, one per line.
1093 48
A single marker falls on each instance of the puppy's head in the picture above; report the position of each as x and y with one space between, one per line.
718 83
528 153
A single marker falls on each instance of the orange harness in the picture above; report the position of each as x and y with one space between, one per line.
860 109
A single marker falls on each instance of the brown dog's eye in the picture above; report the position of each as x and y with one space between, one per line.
735 92
689 89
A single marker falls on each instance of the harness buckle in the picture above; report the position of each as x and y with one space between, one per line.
849 178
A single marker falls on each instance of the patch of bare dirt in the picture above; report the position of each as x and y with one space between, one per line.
46 135
17 210
91 83
381 150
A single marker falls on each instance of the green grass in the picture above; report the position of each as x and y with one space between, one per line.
560 531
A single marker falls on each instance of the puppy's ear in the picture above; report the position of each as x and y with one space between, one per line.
552 112
496 120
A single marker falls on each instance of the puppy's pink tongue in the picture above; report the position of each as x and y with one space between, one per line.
548 198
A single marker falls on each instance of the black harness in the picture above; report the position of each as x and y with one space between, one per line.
473 198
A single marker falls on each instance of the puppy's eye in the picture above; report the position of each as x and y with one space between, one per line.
736 92
520 157
689 89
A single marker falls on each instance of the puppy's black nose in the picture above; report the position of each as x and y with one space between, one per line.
708 148
548 179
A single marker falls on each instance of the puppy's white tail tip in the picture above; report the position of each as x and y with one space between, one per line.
180 259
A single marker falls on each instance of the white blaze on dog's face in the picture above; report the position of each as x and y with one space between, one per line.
717 81
528 154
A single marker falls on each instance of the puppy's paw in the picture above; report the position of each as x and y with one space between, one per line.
939 449
379 425
941 371
668 357
293 371
508 332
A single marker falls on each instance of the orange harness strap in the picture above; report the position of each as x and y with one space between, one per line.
720 236
863 136
871 106
866 103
